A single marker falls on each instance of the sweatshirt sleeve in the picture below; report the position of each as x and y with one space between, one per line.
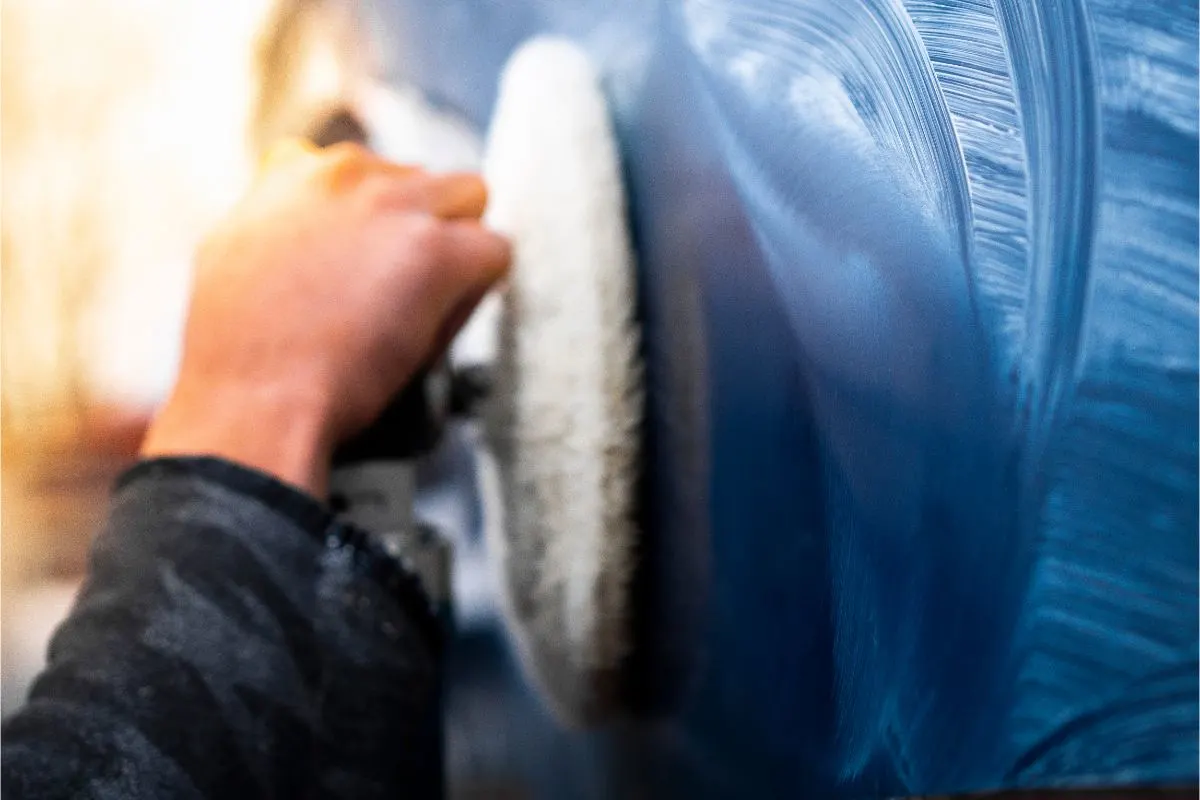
233 639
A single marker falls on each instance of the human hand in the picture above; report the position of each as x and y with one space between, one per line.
334 280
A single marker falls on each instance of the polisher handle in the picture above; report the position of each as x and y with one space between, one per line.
373 482
409 427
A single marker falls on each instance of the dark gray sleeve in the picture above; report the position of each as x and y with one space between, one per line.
233 640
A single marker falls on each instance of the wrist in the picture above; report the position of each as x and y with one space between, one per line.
273 429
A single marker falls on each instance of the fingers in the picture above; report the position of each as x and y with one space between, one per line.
453 196
458 316
462 261
460 196
479 256
483 258
450 196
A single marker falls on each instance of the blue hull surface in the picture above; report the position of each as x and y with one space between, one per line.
919 282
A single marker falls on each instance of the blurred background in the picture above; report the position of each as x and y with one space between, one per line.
127 129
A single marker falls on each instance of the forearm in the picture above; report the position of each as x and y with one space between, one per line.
233 639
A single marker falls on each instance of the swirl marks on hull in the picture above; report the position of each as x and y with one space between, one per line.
1050 48
968 55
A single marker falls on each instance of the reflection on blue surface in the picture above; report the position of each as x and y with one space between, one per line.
920 291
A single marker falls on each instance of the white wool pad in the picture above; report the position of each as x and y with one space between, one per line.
564 426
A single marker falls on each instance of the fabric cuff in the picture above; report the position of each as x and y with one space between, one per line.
308 514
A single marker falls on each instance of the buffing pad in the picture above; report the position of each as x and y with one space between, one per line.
565 416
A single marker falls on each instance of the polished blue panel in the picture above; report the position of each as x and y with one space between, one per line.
919 282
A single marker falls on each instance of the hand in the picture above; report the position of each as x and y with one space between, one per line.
331 283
